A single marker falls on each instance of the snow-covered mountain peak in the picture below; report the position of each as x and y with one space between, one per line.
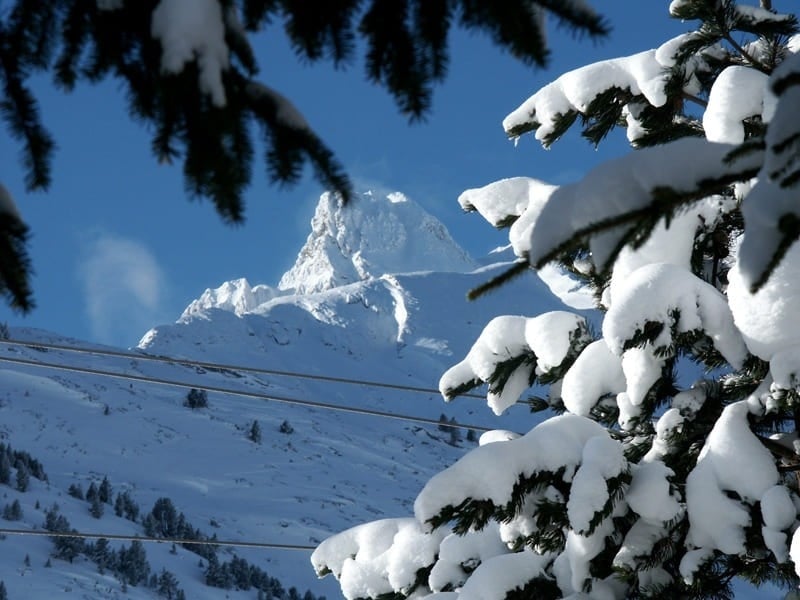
236 296
376 234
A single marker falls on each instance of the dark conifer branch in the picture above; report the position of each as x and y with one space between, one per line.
15 266
495 282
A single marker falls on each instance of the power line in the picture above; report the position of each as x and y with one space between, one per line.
146 539
221 366
247 394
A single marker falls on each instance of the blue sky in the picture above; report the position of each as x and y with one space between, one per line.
117 247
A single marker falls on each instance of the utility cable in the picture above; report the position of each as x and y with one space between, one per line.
157 540
244 393
221 366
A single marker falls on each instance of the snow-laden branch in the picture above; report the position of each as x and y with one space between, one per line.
737 94
573 92
377 558
512 352
595 374
621 194
632 82
460 554
732 461
676 301
503 575
502 202
556 444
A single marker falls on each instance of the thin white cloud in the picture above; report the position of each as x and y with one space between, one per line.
124 288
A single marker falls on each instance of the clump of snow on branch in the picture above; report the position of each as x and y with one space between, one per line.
663 293
653 499
459 555
732 460
737 94
502 340
670 242
545 340
603 459
757 14
497 435
379 557
642 369
189 30
503 201
784 367
779 513
675 6
498 576
552 335
516 201
555 443
571 568
574 91
667 425
595 374
794 550
768 318
644 75
650 495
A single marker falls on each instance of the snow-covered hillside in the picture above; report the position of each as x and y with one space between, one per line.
377 294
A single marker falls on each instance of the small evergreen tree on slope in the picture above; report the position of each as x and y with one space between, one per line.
641 486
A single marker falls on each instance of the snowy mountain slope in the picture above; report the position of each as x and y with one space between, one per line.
334 470
421 315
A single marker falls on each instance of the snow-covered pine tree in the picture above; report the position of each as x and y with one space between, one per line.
670 465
